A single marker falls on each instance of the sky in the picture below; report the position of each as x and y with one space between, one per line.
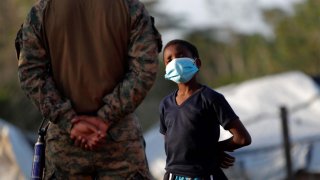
239 16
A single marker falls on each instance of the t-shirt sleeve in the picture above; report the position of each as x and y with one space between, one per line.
163 128
225 113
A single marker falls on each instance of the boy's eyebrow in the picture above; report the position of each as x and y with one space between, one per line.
168 57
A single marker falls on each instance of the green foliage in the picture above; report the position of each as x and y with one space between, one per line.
298 42
296 46
15 107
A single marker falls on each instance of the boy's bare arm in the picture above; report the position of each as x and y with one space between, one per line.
240 138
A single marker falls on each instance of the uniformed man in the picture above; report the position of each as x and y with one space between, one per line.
87 65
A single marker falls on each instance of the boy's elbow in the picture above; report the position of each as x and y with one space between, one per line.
246 141
243 141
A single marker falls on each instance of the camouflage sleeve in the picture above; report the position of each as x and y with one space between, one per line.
35 73
145 44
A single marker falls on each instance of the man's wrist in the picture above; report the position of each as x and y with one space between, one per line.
64 121
106 119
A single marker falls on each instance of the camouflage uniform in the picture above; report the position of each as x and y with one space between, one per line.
123 156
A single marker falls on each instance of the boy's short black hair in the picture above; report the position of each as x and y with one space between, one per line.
186 44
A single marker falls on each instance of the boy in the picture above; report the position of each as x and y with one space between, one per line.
190 119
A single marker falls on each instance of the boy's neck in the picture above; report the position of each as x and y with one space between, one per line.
188 89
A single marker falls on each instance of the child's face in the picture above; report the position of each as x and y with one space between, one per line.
175 51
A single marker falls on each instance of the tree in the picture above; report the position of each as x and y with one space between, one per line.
295 47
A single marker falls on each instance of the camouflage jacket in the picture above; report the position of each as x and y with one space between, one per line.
35 73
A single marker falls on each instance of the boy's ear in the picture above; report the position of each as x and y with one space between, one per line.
198 62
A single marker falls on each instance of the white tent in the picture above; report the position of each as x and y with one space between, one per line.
257 103
15 153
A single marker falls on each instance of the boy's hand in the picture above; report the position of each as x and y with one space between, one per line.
89 132
225 160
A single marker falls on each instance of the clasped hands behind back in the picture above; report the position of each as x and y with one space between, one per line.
88 132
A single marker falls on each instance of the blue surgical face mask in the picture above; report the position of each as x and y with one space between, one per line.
181 70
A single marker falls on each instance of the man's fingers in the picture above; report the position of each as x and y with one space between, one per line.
87 136
95 121
102 135
75 120
83 143
96 142
72 136
88 126
77 141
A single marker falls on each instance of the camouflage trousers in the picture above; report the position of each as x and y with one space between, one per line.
122 159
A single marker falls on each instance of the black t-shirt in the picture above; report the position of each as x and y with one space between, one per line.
192 131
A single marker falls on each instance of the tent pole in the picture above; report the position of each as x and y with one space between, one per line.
286 141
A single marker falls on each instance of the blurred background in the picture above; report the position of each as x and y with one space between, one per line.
241 43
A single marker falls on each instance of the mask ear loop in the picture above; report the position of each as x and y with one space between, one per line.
195 60
197 63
